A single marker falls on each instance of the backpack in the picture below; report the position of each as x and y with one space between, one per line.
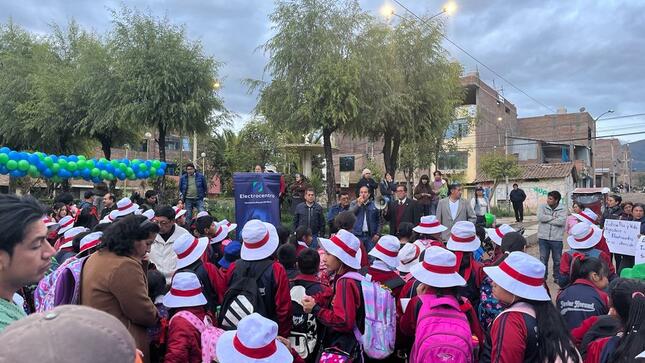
244 296
209 334
304 331
489 307
593 252
61 287
443 332
380 318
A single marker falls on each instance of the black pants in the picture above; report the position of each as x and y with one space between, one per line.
518 207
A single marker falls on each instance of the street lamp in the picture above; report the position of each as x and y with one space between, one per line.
148 136
593 147
203 161
387 10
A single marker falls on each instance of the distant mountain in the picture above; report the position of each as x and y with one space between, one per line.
638 154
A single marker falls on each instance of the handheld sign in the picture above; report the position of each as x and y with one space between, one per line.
622 236
640 251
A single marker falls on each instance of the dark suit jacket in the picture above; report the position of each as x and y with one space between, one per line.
411 214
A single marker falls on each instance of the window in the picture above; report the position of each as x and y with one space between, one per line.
172 144
453 160
457 129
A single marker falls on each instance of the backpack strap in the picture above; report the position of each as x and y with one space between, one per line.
520 307
394 283
191 318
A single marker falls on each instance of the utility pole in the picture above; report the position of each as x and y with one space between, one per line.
195 147
508 199
593 147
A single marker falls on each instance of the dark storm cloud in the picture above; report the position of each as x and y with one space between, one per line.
563 53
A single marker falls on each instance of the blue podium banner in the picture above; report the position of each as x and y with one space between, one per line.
257 196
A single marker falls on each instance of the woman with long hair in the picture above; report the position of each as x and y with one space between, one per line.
423 194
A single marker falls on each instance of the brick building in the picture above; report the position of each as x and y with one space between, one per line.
612 163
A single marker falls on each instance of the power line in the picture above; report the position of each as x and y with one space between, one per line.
476 60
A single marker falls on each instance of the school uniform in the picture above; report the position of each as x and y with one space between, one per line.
301 246
184 340
581 300
514 338
391 279
567 260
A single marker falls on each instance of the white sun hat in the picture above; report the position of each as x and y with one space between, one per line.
586 216
254 341
463 237
496 234
408 257
65 223
231 226
150 214
345 246
90 240
185 291
221 231
259 240
520 274
68 237
438 269
387 250
202 214
178 212
584 235
188 249
429 225
50 222
124 207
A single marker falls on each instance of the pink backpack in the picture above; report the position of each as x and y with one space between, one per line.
443 332
210 334
380 318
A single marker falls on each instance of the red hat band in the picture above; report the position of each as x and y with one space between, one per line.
189 250
430 225
462 239
439 269
531 281
583 239
186 293
343 246
258 244
385 251
255 353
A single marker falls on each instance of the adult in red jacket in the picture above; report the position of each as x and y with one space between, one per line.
259 243
383 269
342 256
584 240
530 329
187 306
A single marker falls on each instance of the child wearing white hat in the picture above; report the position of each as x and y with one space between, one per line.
386 260
255 341
187 306
259 244
584 239
429 232
495 235
530 329
66 249
206 227
439 279
342 255
463 241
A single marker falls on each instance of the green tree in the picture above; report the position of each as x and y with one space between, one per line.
315 75
498 167
409 89
167 80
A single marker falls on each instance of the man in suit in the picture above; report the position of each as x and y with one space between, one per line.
403 209
452 209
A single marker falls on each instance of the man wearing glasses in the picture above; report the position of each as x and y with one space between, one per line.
161 252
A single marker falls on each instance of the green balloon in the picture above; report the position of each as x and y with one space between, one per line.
48 161
104 160
12 165
153 171
115 163
132 177
143 167
71 166
80 164
123 167
81 157
40 155
23 165
95 172
156 164
55 168
90 164
33 171
4 158
104 174
62 163
129 172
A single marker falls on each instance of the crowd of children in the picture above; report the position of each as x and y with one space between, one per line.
272 298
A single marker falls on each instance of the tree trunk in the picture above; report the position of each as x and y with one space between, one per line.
329 159
387 151
106 147
161 182
391 145
492 194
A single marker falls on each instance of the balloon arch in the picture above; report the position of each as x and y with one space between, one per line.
60 167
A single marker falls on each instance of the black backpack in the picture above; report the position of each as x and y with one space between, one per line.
249 292
304 330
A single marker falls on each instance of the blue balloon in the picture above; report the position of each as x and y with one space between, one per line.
85 173
160 172
48 173
41 167
64 174
4 170
5 150
121 176
96 180
14 155
163 165
109 168
62 157
148 163
54 158
15 173
135 167
33 159
76 173
73 158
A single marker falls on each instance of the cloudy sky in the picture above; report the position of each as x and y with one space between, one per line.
562 53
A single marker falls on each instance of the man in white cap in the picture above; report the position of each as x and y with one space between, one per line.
386 260
255 340
273 300
161 251
25 254
367 181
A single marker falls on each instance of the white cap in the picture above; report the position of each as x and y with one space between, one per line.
408 257
178 212
584 235
188 249
345 246
463 237
259 240
496 234
520 274
124 207
438 269
387 250
185 291
429 225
